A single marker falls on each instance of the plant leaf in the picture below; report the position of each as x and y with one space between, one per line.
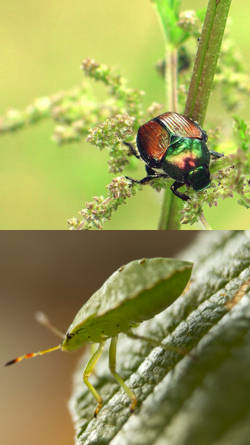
242 133
202 397
168 11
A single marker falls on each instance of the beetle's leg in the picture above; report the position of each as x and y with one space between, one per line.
148 178
215 154
151 175
87 373
174 188
149 171
132 149
112 367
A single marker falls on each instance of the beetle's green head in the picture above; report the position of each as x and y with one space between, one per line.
199 178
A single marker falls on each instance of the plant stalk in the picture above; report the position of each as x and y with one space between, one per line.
205 65
171 79
206 59
204 223
200 86
170 205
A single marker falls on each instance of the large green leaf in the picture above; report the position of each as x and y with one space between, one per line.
202 397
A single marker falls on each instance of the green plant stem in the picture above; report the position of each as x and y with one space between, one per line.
171 78
170 205
206 59
205 65
200 86
169 211
204 223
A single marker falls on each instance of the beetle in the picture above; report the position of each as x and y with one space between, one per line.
134 293
174 146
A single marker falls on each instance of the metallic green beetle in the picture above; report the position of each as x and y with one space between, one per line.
174 146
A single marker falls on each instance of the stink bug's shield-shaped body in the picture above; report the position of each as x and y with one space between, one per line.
134 293
172 145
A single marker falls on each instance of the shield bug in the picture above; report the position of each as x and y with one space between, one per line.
174 146
134 293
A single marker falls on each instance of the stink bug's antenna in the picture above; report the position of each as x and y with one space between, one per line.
43 319
31 355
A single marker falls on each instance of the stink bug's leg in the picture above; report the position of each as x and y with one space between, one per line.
174 188
132 149
112 367
157 343
92 348
215 154
87 373
43 319
92 351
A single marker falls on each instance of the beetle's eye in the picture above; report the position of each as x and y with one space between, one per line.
69 336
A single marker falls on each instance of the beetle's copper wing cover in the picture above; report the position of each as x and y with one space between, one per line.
152 141
180 125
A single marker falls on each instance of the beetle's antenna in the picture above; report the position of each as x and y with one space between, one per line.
43 319
31 355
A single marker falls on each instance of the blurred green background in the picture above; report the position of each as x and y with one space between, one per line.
43 44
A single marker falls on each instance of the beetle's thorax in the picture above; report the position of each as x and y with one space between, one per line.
185 155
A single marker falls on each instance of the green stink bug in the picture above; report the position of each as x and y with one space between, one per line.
134 293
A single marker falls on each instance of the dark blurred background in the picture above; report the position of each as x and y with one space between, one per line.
54 272
42 46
